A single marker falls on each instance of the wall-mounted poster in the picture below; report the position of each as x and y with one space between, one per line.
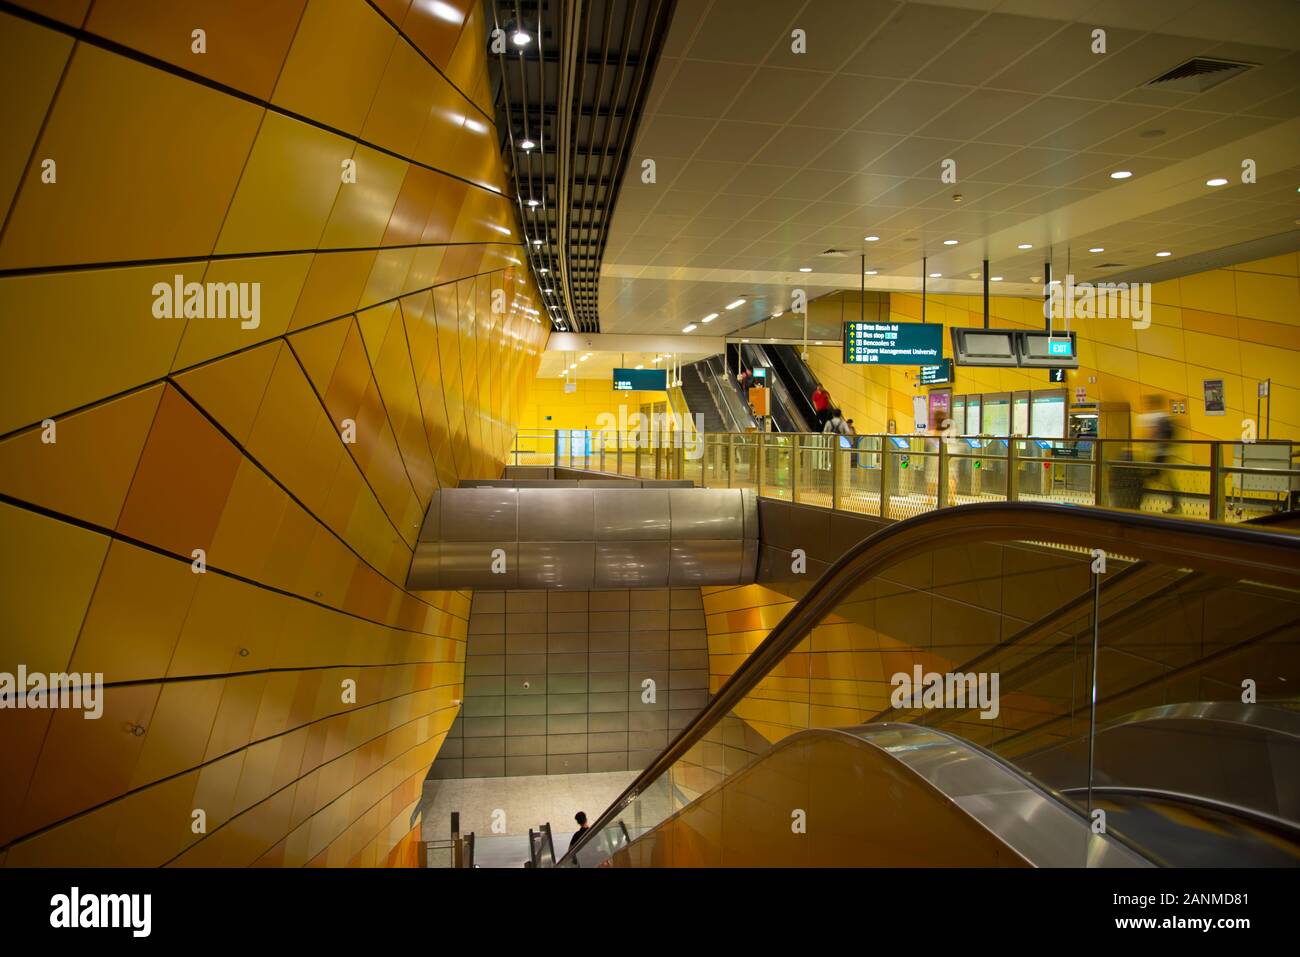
1214 397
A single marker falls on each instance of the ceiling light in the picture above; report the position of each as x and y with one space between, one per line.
995 278
640 367
936 275
733 305
691 328
543 270
1217 181
1035 278
527 144
1163 253
710 317
537 242
871 239
573 365
533 203
548 290
778 314
950 242
1025 246
1097 249
584 358
805 268
521 38
872 272
744 340
1121 174
656 358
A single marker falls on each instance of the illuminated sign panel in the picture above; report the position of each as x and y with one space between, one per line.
893 343
640 380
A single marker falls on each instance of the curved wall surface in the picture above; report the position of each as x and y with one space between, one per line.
257 304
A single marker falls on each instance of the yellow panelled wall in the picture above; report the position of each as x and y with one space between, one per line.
1240 324
582 408
292 448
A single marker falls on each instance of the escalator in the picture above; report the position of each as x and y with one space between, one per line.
791 382
1116 732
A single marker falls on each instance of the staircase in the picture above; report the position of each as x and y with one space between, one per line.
700 401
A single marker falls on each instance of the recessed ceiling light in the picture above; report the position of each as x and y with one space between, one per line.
583 358
950 242
744 340
1035 278
1121 174
710 317
548 289
691 328
543 270
872 272
995 278
1163 253
521 38
1025 246
573 365
537 242
733 305
1097 249
936 275
816 343
527 144
805 268
871 239
1217 181
533 202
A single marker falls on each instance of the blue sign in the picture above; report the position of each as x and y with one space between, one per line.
760 372
936 375
893 343
1059 347
640 380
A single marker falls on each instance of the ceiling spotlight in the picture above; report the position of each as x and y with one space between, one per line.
573 365
691 328
936 275
1097 249
521 38
733 305
995 278
543 270
871 239
656 359
872 272
950 242
805 268
1121 174
548 290
1025 246
537 242
533 202
1163 253
1217 181
527 144
710 317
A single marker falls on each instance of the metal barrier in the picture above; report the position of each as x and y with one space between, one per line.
898 476
456 851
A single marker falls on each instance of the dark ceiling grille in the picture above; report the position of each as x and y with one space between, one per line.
575 91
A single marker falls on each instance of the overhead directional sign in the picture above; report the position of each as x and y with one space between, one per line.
640 380
936 375
893 343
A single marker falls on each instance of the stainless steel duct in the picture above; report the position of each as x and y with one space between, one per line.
586 538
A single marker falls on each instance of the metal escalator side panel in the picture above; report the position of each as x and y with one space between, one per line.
871 797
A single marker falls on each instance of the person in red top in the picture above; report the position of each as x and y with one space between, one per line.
821 401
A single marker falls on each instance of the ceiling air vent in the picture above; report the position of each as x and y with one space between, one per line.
1198 75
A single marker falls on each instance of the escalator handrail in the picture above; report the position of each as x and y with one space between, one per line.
1232 549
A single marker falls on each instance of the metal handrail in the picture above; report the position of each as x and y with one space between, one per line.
1226 549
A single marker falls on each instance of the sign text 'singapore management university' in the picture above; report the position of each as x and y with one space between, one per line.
893 343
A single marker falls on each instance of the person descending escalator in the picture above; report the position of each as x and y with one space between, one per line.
745 379
821 402
581 818
836 424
